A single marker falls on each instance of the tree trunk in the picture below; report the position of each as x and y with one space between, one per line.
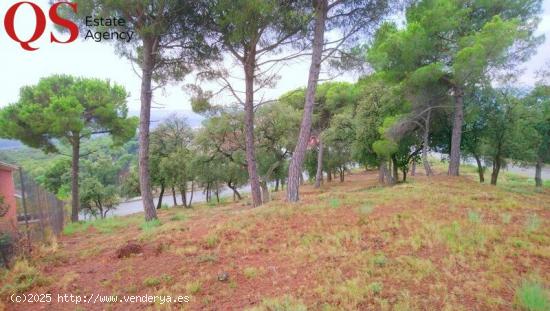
342 174
75 198
426 145
496 170
413 169
249 64
404 175
454 161
395 168
480 169
382 172
144 120
265 192
183 191
174 196
319 175
276 184
235 191
329 176
538 173
217 195
159 203
192 192
295 167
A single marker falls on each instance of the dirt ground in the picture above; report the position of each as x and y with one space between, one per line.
428 244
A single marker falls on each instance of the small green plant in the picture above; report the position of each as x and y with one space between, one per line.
375 288
150 225
75 227
250 272
334 203
380 260
21 278
365 209
285 303
474 217
212 240
151 282
532 223
506 218
207 258
531 296
177 217
193 287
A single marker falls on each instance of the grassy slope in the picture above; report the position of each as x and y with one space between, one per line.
439 244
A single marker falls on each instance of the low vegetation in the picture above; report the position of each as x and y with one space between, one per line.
442 243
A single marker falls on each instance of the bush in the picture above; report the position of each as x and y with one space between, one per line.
531 296
7 248
21 278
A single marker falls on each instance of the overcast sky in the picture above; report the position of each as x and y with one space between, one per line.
98 60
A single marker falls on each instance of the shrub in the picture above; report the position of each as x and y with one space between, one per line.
531 296
21 278
151 282
375 288
212 240
250 272
194 287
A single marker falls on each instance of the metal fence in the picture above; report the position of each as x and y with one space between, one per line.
39 212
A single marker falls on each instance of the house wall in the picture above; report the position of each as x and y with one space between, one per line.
7 190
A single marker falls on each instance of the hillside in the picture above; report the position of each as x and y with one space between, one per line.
429 244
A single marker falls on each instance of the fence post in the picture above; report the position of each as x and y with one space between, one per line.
24 203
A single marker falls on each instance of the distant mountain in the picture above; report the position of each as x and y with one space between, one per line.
159 115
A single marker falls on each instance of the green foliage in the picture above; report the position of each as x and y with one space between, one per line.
151 282
105 226
532 296
285 303
532 223
148 226
67 108
22 278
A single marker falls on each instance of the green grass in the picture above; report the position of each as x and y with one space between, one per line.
365 209
285 303
21 278
474 217
194 287
463 240
532 223
531 296
151 282
375 288
106 225
178 217
212 240
334 203
150 225
250 272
